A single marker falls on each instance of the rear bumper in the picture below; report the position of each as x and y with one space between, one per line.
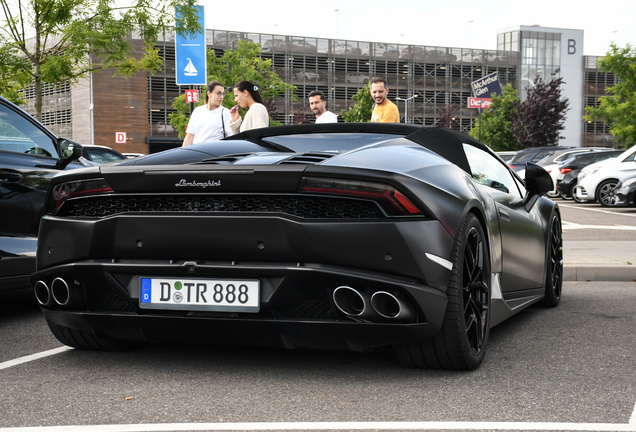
565 186
299 265
583 194
626 198
296 306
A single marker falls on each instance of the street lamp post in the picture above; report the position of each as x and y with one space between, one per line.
406 106
480 124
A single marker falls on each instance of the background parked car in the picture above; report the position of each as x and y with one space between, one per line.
132 155
304 74
228 39
275 44
507 155
165 128
101 154
386 50
533 154
551 164
301 45
30 155
571 167
357 78
625 192
595 183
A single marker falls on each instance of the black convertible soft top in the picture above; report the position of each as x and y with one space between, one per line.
445 142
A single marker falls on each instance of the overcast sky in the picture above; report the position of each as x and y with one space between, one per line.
446 23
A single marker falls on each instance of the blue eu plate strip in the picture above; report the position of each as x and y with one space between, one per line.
146 290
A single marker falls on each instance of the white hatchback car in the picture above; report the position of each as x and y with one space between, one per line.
596 182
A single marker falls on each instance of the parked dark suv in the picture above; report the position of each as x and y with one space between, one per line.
570 169
29 156
533 154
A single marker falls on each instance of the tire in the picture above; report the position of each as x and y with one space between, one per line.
574 197
457 345
87 341
604 193
570 192
554 193
554 264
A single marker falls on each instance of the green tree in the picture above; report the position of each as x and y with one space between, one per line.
51 41
618 108
242 63
361 111
496 122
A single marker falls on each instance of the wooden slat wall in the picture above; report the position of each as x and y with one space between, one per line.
121 105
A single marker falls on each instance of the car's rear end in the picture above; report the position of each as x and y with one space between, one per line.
296 254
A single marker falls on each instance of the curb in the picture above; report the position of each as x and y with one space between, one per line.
605 273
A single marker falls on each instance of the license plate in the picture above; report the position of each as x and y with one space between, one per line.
223 295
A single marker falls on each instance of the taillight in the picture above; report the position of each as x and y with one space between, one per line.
386 195
564 170
72 189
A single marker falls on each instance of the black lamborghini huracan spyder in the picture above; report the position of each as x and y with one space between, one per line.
335 236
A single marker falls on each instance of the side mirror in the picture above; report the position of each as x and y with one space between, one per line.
69 152
538 182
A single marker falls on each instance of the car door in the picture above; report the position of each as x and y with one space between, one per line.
627 166
520 230
28 158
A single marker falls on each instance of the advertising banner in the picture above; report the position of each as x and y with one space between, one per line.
483 103
487 86
192 96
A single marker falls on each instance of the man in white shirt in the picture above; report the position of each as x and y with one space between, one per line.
209 122
318 105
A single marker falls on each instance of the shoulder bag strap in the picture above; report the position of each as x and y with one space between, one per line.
223 122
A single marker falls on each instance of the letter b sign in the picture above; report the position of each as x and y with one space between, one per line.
571 46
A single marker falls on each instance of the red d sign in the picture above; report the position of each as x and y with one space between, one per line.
120 137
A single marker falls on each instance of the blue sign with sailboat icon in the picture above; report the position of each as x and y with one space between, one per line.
190 57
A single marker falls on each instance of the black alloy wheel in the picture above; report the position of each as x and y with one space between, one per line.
554 264
605 193
475 291
461 342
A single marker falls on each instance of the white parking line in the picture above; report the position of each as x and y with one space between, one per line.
572 225
32 357
597 210
311 426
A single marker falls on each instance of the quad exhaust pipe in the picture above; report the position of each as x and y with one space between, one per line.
42 293
392 307
380 304
353 303
58 293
